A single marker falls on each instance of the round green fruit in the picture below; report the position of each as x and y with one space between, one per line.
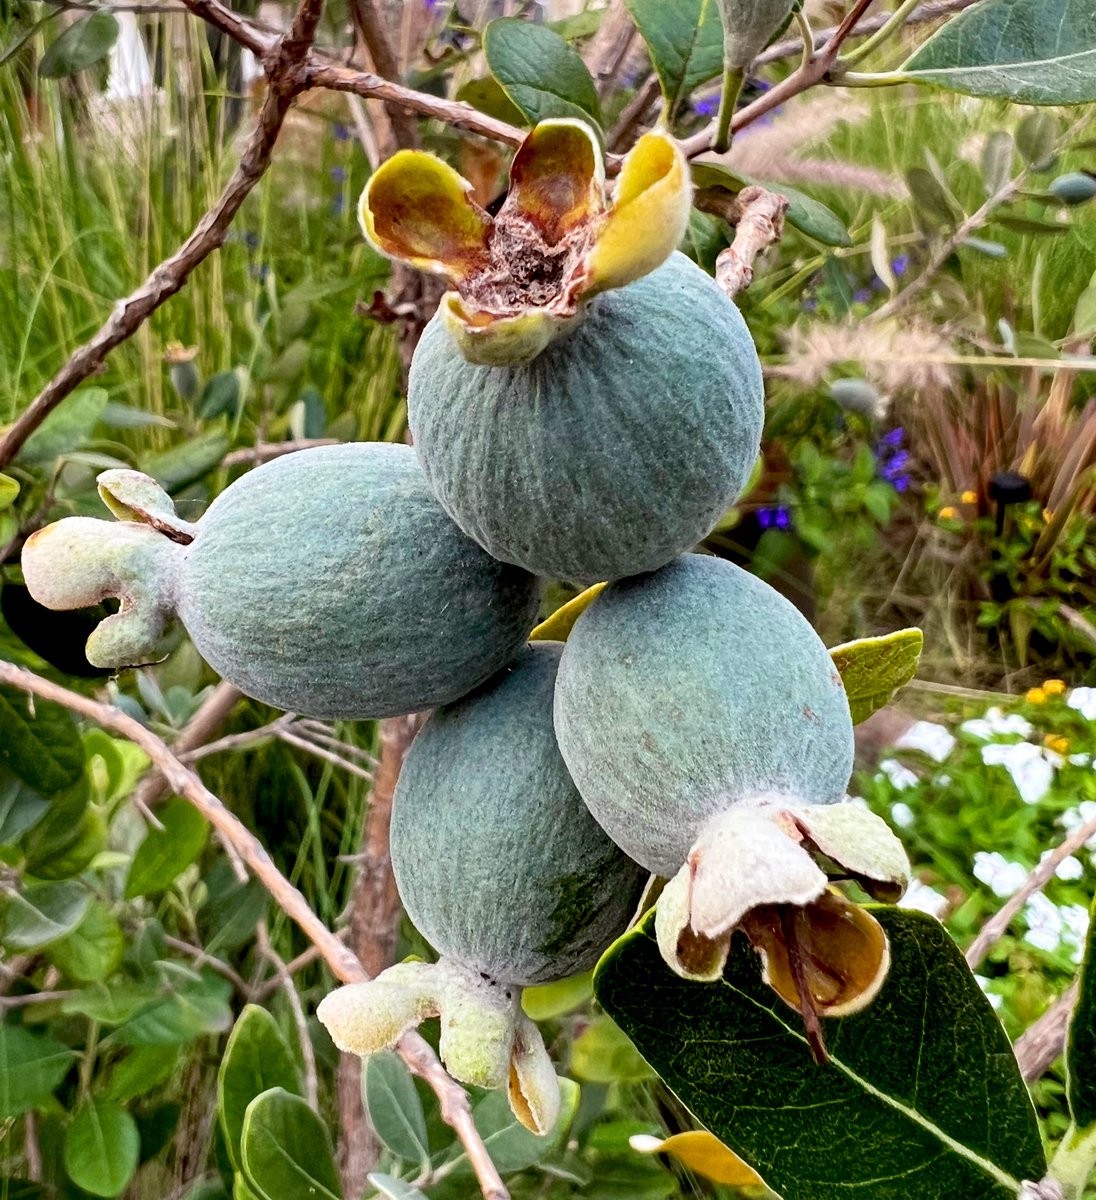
1073 188
327 582
497 860
689 691
615 449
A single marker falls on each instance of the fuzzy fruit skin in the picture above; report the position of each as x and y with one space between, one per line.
329 583
497 860
615 449
686 691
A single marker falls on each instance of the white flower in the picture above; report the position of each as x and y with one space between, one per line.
1073 818
996 724
1083 699
1045 923
902 815
1031 770
1076 919
934 740
1068 868
1000 875
922 898
902 777
1080 760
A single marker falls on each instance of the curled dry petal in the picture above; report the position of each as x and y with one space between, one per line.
134 496
703 1153
486 1040
81 561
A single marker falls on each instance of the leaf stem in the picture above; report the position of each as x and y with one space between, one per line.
896 21
1074 1161
868 78
807 33
733 78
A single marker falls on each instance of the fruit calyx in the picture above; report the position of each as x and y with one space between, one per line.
486 1039
81 561
765 867
522 276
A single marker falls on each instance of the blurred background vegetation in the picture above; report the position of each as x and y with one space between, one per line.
928 459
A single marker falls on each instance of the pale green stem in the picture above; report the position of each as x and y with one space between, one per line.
807 33
1074 1162
866 79
733 78
897 20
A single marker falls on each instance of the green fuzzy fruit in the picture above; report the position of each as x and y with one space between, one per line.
327 582
686 692
615 449
496 858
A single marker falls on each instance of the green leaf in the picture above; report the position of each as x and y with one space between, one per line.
487 95
1037 138
63 846
547 1000
395 1189
185 464
30 1068
602 1053
41 913
140 1072
921 1096
1031 225
540 73
933 202
809 216
69 425
1081 1041
220 395
394 1107
196 1007
287 1150
39 742
93 950
21 808
9 490
1026 51
256 1059
81 45
166 853
873 669
685 41
102 1146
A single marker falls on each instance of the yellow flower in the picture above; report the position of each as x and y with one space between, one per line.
1055 687
1057 743
1035 695
969 497
948 513
521 277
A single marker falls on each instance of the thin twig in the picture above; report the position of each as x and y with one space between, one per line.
1039 1046
204 959
265 451
759 223
345 965
370 24
28 998
236 741
1035 882
304 1038
336 760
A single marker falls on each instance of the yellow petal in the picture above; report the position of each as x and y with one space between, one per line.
557 178
649 215
558 626
417 208
493 341
704 1154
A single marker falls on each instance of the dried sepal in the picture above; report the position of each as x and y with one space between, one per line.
702 1153
557 180
486 1039
81 561
134 496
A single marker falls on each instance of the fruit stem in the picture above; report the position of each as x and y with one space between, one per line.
815 1037
733 78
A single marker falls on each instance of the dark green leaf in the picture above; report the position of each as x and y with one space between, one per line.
1081 1043
1026 51
685 41
21 808
39 742
30 1068
61 846
93 950
140 1072
287 1150
9 490
220 395
81 45
101 1148
41 913
166 853
873 669
1031 225
196 1007
113 1005
1037 139
185 464
933 203
540 73
71 424
394 1107
921 1097
256 1059
488 96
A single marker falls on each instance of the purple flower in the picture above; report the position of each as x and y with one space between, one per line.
342 133
901 264
706 106
901 483
338 205
862 295
251 239
338 174
810 304
774 518
895 466
893 438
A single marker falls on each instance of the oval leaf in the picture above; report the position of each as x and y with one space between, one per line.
874 669
286 1150
702 1153
540 73
921 1096
39 742
394 1107
42 913
82 45
30 1068
685 41
93 950
1026 51
166 853
9 489
102 1147
256 1059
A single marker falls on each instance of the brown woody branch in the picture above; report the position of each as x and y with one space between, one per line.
343 962
1039 1046
758 218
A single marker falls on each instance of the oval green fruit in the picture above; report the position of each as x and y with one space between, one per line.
615 449
1076 187
686 692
